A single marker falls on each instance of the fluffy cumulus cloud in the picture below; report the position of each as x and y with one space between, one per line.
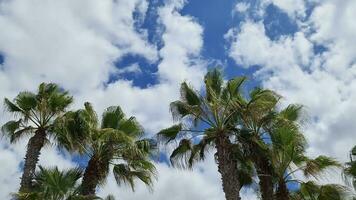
314 66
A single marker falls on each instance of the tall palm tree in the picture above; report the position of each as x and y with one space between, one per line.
35 114
115 142
287 154
211 122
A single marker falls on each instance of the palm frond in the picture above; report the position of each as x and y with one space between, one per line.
112 116
169 134
131 127
12 107
124 174
26 101
179 110
183 155
292 112
314 167
213 84
233 87
188 95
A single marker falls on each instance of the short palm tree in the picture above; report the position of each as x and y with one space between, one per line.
53 184
35 114
116 142
209 120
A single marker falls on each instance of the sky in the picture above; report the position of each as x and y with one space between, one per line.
135 53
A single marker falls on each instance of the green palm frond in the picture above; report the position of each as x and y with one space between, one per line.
26 101
131 127
313 191
12 107
181 155
53 184
292 112
189 96
112 117
314 167
139 169
232 90
169 134
213 84
15 130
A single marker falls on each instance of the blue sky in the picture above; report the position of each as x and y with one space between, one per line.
135 53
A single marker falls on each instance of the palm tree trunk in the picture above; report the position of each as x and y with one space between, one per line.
91 177
282 191
263 168
228 169
33 152
265 181
264 172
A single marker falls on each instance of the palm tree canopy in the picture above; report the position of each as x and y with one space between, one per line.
35 111
53 184
117 140
214 111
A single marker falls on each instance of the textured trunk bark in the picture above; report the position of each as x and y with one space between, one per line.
264 171
282 191
266 182
91 177
228 169
33 152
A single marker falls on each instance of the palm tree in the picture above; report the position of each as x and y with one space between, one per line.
274 144
256 113
287 154
211 122
116 142
35 114
53 184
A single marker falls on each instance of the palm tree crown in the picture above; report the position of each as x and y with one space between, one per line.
115 142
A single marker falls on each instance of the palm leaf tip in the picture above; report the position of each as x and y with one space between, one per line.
314 167
11 107
181 156
169 134
213 83
188 95
292 112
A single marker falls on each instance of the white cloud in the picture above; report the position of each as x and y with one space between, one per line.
296 9
241 7
42 40
134 68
